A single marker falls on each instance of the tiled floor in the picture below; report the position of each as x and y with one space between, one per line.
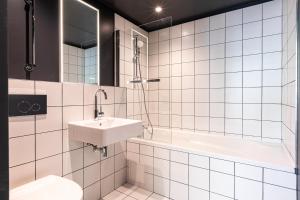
131 192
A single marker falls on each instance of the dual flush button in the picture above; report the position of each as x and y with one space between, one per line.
21 105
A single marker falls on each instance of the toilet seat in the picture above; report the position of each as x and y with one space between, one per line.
48 188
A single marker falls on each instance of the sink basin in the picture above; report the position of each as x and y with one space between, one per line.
48 188
106 131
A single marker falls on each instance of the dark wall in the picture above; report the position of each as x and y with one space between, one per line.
298 102
47 41
4 103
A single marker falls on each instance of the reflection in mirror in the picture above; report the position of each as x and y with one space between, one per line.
79 42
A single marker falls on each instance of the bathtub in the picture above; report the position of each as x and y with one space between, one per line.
210 165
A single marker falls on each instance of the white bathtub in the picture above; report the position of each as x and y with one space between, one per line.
184 165
264 154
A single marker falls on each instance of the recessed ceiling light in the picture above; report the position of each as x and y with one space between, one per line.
158 9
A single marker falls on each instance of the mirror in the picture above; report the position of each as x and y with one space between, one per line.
79 27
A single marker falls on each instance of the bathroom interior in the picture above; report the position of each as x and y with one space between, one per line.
149 100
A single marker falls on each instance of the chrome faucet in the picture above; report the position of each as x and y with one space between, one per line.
99 113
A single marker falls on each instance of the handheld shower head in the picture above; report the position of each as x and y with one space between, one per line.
140 44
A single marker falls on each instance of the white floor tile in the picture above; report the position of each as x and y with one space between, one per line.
127 188
157 197
115 195
140 194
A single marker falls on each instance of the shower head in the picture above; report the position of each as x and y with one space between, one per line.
140 44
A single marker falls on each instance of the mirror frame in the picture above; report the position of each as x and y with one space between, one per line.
61 39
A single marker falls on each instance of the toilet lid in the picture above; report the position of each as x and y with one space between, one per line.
48 188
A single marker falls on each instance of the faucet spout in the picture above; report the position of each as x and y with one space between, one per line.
99 113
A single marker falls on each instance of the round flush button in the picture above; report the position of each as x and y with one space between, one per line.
24 106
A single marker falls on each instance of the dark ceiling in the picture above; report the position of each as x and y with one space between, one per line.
80 24
142 11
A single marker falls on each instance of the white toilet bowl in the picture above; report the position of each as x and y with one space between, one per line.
48 188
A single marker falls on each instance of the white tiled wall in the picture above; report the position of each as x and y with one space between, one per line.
40 145
185 176
289 75
220 74
80 65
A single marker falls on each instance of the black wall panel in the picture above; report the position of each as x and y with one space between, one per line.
4 175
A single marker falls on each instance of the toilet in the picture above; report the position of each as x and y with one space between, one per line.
48 188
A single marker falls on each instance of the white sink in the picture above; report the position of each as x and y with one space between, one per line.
48 188
106 131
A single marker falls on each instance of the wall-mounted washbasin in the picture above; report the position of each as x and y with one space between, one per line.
48 188
106 131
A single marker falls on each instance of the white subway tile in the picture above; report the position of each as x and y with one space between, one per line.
252 62
199 161
179 191
49 166
252 30
272 26
161 186
146 150
271 112
234 49
179 172
271 129
195 194
248 190
253 13
72 161
272 9
252 111
252 46
92 191
188 42
222 184
272 77
176 31
272 192
222 166
161 153
280 178
202 25
21 174
251 95
180 157
21 150
21 125
252 128
202 39
272 43
53 91
217 36
217 51
188 28
133 147
199 177
48 144
72 94
161 167
91 174
217 21
50 121
234 33
234 17
248 171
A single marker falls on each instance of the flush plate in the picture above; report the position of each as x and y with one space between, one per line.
21 105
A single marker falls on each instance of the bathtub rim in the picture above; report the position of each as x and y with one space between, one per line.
288 167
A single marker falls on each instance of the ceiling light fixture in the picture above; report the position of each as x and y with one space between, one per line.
158 9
